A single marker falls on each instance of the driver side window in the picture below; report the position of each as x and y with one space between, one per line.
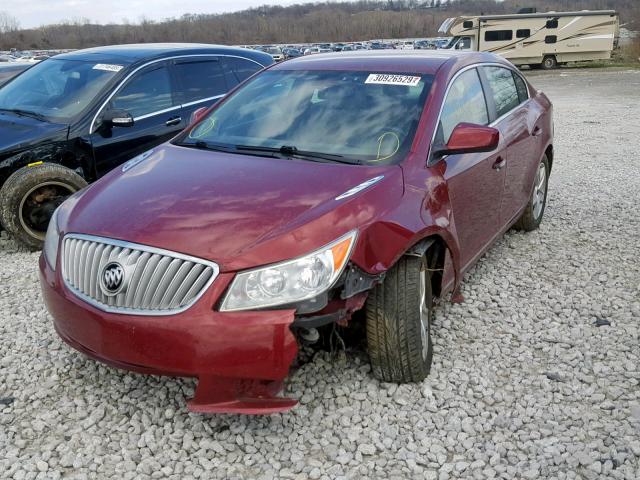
145 93
465 102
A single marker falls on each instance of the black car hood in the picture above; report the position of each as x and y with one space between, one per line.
18 132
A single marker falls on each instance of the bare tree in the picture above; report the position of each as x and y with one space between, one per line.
8 23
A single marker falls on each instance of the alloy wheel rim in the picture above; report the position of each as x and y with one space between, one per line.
539 191
424 316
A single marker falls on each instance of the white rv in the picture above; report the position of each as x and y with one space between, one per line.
537 39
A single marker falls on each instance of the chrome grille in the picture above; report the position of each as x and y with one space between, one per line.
157 282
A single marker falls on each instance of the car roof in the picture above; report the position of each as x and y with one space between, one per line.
416 61
134 53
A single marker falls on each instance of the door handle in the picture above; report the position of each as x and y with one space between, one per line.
173 121
536 131
499 164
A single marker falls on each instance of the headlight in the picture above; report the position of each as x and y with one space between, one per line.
290 281
51 240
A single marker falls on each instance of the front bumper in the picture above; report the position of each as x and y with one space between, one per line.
241 359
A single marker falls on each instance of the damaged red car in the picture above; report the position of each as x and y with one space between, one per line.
321 186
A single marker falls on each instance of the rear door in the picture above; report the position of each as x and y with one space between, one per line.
149 97
475 180
516 119
201 82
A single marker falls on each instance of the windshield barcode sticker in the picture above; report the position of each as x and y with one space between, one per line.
108 68
387 79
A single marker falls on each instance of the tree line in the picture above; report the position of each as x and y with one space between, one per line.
301 23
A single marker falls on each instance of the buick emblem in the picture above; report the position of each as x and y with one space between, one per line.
112 279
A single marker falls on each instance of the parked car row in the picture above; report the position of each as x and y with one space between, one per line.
284 52
317 188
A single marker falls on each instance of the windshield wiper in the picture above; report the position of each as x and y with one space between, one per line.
217 147
25 113
292 151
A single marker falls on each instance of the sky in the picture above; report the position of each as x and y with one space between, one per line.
33 13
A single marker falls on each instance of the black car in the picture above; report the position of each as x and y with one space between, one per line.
70 119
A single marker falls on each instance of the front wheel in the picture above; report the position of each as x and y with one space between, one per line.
532 215
549 62
29 197
399 323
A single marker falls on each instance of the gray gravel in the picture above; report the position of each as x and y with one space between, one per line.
535 375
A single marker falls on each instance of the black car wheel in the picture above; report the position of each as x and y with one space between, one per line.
399 315
29 197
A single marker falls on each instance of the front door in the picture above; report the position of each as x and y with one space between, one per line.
475 180
148 96
516 122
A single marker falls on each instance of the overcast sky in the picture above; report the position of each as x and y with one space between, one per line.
33 13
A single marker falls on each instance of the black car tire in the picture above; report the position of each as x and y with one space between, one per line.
27 186
531 218
549 62
399 349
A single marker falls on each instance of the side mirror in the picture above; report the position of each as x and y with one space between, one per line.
469 138
197 114
118 118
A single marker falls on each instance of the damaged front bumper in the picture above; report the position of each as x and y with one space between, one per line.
240 359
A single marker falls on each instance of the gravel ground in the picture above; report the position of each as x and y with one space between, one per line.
535 375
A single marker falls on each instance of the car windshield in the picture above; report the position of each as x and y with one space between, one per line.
56 89
359 117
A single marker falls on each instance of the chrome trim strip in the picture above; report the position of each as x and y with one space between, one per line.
453 79
141 248
153 114
215 97
125 79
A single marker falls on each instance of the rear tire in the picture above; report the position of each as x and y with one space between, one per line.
29 197
549 62
534 211
399 313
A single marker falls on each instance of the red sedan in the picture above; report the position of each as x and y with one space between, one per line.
321 186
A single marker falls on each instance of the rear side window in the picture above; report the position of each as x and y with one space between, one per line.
521 87
552 23
503 89
241 69
147 92
550 39
465 102
200 79
498 35
523 33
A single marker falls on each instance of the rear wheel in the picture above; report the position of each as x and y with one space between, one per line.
399 323
29 197
549 62
532 215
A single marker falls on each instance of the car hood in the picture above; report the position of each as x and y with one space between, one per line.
237 210
20 132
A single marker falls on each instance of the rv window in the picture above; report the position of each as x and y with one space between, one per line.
503 88
550 39
521 87
552 23
467 24
498 35
523 33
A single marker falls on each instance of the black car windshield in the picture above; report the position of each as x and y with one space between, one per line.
358 117
56 89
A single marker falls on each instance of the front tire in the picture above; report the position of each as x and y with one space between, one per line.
29 197
534 211
399 315
549 62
